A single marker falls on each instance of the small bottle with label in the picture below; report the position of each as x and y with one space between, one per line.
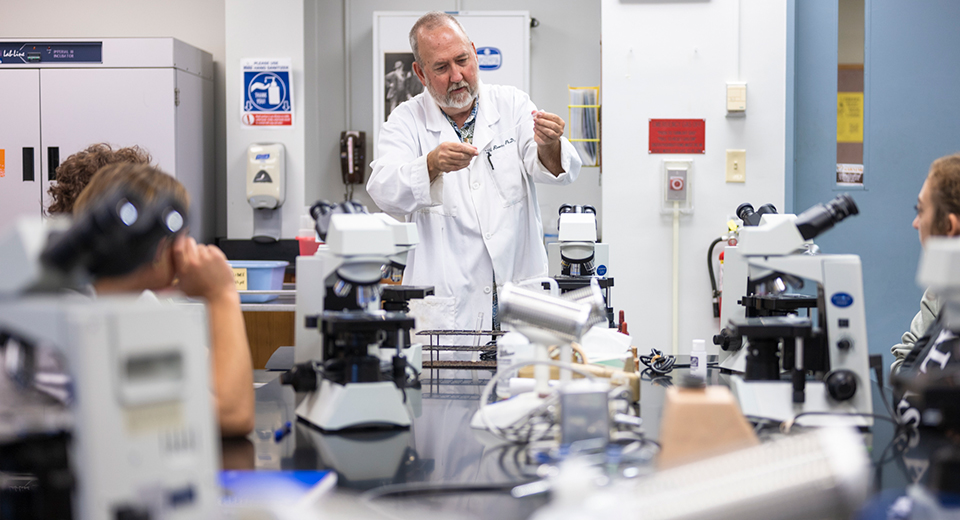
698 359
512 347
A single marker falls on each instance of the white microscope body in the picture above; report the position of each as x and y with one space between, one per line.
358 246
577 252
777 245
135 391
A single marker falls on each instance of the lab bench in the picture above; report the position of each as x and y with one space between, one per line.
441 448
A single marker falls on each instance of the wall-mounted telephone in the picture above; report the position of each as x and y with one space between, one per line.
353 145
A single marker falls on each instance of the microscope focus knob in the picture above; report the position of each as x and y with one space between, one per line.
302 377
841 384
727 340
844 344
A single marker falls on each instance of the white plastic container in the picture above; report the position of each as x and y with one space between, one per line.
512 347
698 359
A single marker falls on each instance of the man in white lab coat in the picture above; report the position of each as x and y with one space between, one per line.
461 160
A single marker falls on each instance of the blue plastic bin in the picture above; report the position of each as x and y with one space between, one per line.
262 275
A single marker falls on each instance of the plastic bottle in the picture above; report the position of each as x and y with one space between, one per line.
512 347
307 235
698 359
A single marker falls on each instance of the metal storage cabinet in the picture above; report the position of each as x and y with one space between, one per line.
60 96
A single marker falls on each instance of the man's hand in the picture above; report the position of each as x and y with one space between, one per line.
547 131
202 270
449 157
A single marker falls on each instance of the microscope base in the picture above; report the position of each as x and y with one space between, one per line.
364 459
337 407
773 400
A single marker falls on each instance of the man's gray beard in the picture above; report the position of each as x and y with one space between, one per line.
446 101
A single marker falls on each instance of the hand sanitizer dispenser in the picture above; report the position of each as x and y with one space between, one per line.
266 176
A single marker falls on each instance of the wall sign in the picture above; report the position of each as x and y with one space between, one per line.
489 58
267 96
677 135
849 117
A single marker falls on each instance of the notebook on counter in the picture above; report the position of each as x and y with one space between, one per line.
301 487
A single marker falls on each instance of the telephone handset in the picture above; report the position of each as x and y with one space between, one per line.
352 153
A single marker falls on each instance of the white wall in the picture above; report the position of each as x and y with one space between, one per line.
664 59
247 36
199 23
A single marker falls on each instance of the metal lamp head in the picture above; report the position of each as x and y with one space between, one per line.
543 317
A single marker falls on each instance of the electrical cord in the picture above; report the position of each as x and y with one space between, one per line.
488 390
713 278
657 362
877 365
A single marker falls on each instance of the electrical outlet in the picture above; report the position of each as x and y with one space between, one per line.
736 166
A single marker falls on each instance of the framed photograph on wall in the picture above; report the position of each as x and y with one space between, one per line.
502 39
400 83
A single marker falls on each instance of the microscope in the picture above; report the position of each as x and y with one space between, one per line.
353 359
577 257
106 401
765 336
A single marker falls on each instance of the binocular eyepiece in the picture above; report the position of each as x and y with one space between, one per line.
750 217
811 222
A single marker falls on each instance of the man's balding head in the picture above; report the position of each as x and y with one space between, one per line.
429 22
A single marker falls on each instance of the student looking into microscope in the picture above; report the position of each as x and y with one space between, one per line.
199 271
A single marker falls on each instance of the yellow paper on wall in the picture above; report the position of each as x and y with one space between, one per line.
849 117
240 278
3 163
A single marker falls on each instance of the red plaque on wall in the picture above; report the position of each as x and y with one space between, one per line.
677 135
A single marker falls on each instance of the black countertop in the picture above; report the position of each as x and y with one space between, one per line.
441 448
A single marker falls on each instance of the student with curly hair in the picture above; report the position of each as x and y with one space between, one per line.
75 172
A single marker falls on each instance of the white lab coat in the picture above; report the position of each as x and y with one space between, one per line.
473 222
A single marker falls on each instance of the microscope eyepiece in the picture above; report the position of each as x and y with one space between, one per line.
822 217
577 208
746 213
117 235
322 210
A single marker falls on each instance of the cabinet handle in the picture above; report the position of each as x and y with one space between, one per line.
27 164
53 161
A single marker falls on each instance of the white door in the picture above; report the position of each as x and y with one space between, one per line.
122 107
20 179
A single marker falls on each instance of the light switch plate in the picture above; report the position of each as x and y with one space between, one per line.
736 97
736 166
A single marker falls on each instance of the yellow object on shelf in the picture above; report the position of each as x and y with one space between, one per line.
583 116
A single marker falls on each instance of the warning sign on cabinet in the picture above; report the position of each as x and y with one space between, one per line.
677 135
267 96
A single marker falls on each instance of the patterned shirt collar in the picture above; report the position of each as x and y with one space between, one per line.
465 133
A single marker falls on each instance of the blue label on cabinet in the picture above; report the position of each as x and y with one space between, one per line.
58 52
489 58
841 299
601 270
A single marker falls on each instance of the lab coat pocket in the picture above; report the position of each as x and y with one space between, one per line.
505 166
